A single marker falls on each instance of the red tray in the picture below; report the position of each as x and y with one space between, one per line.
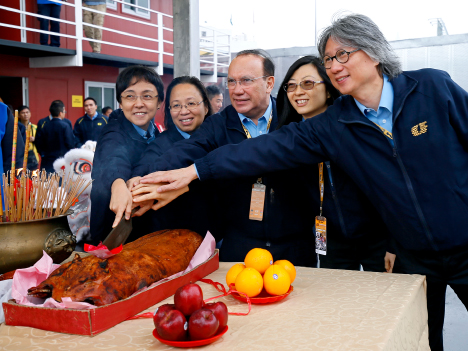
190 343
263 297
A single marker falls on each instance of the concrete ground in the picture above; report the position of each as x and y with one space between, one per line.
456 323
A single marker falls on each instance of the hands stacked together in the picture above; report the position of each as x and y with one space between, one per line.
152 191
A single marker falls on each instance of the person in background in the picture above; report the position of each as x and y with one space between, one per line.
123 140
216 97
7 122
89 126
106 111
49 9
94 18
356 234
56 137
24 116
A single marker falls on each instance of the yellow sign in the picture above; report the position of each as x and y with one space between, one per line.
77 100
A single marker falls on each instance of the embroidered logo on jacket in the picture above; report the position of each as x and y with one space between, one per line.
419 129
99 124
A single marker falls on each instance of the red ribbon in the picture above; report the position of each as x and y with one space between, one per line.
217 286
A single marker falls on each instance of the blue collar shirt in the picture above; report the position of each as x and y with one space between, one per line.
184 134
148 134
257 129
384 115
92 118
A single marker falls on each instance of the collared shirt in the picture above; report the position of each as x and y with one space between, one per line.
184 134
384 115
257 129
144 133
92 118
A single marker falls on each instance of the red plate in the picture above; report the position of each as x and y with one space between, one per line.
190 343
263 297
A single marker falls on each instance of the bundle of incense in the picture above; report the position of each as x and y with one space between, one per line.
33 196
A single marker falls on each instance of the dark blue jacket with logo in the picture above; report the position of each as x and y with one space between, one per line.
88 129
419 185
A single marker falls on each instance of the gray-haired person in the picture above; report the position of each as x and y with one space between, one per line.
401 136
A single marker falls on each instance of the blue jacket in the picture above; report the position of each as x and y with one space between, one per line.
118 149
286 229
419 186
54 141
87 129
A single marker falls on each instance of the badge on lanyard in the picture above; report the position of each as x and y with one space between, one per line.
321 221
257 201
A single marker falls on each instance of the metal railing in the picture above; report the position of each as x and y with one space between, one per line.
214 47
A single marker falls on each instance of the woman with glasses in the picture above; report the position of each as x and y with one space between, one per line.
355 233
186 107
124 139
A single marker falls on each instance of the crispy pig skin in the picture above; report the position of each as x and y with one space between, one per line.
142 262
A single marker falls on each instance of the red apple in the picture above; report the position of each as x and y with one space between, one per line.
161 311
220 311
188 299
172 326
202 324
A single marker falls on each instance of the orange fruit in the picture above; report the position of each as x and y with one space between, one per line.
276 280
249 281
232 273
260 259
289 268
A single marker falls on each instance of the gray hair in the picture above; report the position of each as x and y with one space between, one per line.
360 32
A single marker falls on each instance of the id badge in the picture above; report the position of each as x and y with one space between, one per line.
257 202
321 235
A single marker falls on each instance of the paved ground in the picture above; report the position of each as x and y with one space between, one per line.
456 323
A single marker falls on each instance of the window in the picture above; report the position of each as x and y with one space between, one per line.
111 5
135 10
103 93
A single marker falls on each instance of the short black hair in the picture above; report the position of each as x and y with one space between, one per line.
23 107
212 91
268 65
90 98
105 109
286 112
168 123
56 107
139 73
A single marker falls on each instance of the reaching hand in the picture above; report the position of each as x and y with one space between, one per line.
121 201
132 182
177 179
389 262
145 206
149 192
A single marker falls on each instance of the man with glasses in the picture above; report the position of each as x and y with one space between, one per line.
263 211
89 126
403 139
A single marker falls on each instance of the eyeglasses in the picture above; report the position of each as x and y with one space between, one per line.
245 82
342 56
190 106
305 84
133 98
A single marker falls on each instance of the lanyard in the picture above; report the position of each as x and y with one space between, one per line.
247 133
386 132
321 185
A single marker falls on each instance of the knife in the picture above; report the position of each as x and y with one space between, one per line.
120 233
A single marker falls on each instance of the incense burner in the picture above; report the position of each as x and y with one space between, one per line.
22 243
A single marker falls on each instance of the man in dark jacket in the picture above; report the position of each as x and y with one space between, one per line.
401 136
7 122
55 138
90 126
